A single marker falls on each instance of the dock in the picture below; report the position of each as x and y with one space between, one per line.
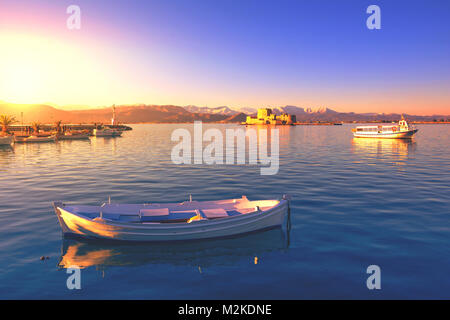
68 127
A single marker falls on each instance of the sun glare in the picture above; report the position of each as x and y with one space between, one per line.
20 83
20 65
37 69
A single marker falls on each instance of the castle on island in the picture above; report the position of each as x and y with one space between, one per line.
265 116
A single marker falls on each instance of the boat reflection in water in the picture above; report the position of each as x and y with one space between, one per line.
380 148
84 254
5 148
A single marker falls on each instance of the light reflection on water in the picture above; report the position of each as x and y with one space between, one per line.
356 202
209 253
382 147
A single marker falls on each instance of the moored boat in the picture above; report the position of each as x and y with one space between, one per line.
20 137
188 220
6 140
107 132
34 138
73 136
402 130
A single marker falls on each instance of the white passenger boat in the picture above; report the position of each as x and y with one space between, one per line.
107 132
6 140
402 130
188 220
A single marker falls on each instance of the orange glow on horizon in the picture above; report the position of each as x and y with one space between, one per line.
43 70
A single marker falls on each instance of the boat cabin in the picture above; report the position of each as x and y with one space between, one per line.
377 129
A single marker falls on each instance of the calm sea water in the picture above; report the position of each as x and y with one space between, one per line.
355 203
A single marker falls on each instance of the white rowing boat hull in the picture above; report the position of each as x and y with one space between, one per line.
80 226
388 135
35 139
6 141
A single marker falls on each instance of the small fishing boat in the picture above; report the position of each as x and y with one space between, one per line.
402 130
34 138
6 140
107 132
73 136
20 137
189 220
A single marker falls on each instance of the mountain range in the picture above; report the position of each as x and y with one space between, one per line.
143 113
125 114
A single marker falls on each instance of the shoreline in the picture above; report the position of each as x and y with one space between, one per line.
126 126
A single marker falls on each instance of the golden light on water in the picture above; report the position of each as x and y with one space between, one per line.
382 147
73 257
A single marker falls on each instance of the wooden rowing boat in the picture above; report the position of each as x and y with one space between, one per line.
187 220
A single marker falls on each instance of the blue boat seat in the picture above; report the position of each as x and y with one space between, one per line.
214 213
172 216
158 212
232 213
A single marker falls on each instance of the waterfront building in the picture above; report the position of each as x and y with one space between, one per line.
265 116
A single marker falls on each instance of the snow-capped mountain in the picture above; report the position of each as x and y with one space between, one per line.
319 110
298 111
224 110
250 110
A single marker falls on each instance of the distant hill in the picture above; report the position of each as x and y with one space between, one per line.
175 114
125 114
239 117
34 112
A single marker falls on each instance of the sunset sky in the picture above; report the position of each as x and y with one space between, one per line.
227 52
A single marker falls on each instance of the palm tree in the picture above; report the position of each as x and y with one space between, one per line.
36 126
58 126
6 121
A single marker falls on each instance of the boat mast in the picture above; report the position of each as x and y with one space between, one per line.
113 120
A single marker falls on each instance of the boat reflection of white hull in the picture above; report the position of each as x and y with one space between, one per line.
219 252
386 135
173 221
6 141
107 133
